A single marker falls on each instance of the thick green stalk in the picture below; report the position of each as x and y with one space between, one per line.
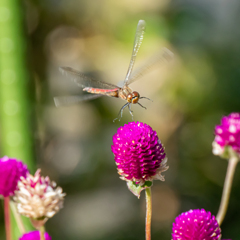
15 124
14 78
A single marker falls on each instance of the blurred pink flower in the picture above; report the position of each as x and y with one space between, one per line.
227 134
34 235
10 172
196 224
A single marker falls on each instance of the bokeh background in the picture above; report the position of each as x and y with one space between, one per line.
72 144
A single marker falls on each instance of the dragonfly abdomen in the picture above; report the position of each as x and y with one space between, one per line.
108 92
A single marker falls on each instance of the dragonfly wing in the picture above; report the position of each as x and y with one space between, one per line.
164 56
68 100
137 43
83 81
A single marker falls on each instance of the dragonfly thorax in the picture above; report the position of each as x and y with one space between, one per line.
133 97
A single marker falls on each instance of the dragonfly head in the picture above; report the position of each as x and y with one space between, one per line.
133 97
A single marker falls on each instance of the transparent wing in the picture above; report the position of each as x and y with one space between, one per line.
164 56
68 100
137 43
83 81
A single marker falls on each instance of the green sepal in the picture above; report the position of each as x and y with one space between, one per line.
229 153
136 188
40 218
226 153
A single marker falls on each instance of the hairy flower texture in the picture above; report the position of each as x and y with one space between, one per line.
227 134
196 224
139 154
10 172
38 197
34 235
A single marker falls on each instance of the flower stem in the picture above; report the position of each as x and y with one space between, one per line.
42 232
7 218
232 163
148 213
17 218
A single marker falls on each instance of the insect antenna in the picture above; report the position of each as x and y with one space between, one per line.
146 98
121 112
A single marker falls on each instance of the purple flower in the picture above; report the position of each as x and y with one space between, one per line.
34 235
227 134
196 224
139 154
10 172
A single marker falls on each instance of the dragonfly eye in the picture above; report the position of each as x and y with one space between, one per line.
135 97
129 97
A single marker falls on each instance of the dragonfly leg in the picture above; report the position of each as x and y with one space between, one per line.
129 108
121 112
141 105
146 98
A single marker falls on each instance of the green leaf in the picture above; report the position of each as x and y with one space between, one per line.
137 188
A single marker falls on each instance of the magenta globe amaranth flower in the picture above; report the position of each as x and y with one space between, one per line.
10 172
196 224
227 135
34 235
139 154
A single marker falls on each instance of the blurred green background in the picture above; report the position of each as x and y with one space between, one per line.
72 144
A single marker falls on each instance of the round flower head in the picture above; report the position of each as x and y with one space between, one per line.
139 154
38 198
34 235
227 135
196 224
10 172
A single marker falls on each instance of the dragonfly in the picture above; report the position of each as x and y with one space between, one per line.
99 88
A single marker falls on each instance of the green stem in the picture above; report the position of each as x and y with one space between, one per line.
17 218
15 106
16 135
7 218
232 163
148 213
42 231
